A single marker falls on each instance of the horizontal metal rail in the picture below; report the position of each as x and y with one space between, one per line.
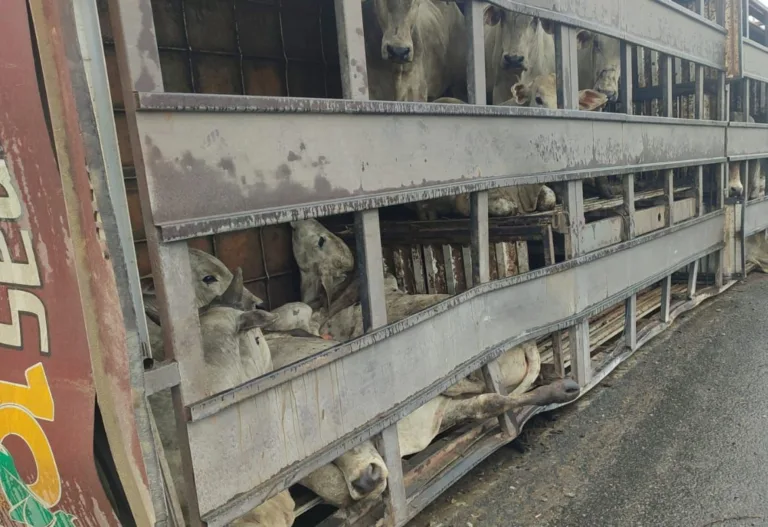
747 141
756 219
274 430
661 25
211 171
755 57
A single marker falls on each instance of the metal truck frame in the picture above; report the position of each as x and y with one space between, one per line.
177 137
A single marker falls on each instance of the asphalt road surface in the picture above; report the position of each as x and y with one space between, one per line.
677 436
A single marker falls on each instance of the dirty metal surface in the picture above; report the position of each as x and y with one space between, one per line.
47 391
225 171
747 140
272 423
661 25
734 40
755 60
756 219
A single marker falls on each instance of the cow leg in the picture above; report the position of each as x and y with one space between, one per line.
533 362
488 405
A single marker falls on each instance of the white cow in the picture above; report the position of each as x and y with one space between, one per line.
210 278
599 59
515 43
520 365
418 429
235 351
365 471
416 50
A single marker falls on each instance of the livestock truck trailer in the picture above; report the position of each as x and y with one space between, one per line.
308 262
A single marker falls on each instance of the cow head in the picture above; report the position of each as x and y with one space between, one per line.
604 54
541 92
521 42
396 19
323 259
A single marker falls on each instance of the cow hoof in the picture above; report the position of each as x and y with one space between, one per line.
369 481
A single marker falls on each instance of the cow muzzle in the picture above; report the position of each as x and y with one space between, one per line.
513 62
399 54
369 481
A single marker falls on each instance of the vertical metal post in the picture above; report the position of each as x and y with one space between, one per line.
567 67
581 361
568 99
722 96
667 80
743 236
625 86
745 93
349 26
354 81
630 304
666 298
699 113
745 17
693 275
476 91
139 68
669 196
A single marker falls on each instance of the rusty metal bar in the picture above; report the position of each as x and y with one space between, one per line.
139 67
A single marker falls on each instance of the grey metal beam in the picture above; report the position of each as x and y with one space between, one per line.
747 141
138 62
266 431
756 217
335 164
683 33
630 322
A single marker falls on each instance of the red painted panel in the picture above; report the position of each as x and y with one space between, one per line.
47 395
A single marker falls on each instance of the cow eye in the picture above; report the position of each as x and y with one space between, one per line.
209 279
540 101
321 242
258 342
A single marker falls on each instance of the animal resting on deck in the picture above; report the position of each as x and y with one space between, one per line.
360 472
315 248
235 351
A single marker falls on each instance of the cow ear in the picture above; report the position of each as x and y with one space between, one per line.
521 93
584 38
492 15
590 100
234 293
547 26
255 319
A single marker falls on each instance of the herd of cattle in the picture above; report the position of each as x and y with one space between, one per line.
242 341
416 50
